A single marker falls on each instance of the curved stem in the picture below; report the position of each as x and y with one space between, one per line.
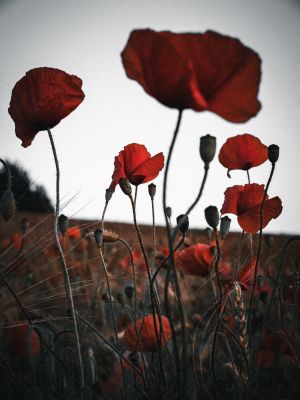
191 207
63 261
8 173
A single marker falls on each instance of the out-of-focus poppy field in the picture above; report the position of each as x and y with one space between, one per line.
104 310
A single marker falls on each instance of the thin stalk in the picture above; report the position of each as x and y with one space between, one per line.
191 207
64 265
8 173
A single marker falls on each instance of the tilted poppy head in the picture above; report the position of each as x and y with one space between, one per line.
41 99
23 341
245 202
198 71
136 164
146 329
196 259
243 152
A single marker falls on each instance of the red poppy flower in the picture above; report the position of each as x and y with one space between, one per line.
73 233
196 259
22 341
41 99
136 164
198 71
243 152
146 330
245 202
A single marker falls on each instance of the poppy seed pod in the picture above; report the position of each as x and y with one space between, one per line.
225 226
212 216
125 186
183 223
207 148
273 153
129 292
169 212
108 194
7 205
110 237
152 190
98 235
63 224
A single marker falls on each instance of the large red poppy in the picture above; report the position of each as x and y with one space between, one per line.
147 333
136 164
196 259
41 99
245 202
198 71
243 152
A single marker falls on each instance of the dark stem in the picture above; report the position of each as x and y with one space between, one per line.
206 168
8 173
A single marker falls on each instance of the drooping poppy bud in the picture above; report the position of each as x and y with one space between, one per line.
125 186
98 235
207 148
273 153
7 205
169 212
225 226
63 224
108 194
183 223
212 216
110 237
152 190
129 292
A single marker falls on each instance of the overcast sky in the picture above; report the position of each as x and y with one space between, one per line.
85 38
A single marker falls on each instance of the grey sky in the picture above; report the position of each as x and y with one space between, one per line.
86 37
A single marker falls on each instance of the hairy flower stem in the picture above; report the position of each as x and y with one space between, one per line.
64 265
191 207
183 367
259 248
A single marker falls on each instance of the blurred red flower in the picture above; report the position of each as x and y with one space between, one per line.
146 330
23 341
136 164
198 71
245 202
73 232
243 152
41 99
196 259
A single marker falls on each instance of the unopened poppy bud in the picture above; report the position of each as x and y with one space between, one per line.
129 292
63 224
212 216
108 194
225 226
110 237
207 148
7 205
169 212
273 153
125 186
98 235
152 190
183 223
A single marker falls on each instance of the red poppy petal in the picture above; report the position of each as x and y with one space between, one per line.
26 134
251 196
149 169
118 171
134 156
243 152
250 220
232 194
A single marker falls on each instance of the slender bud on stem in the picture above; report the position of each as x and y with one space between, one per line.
212 216
225 226
7 205
63 224
207 148
273 153
183 223
125 186
152 190
108 194
169 212
98 235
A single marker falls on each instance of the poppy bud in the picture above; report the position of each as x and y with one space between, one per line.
63 224
125 186
24 224
212 216
273 153
98 235
119 298
129 292
110 237
207 148
152 190
169 212
7 205
225 226
183 223
108 194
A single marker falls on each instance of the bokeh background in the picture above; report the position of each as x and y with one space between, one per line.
86 38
